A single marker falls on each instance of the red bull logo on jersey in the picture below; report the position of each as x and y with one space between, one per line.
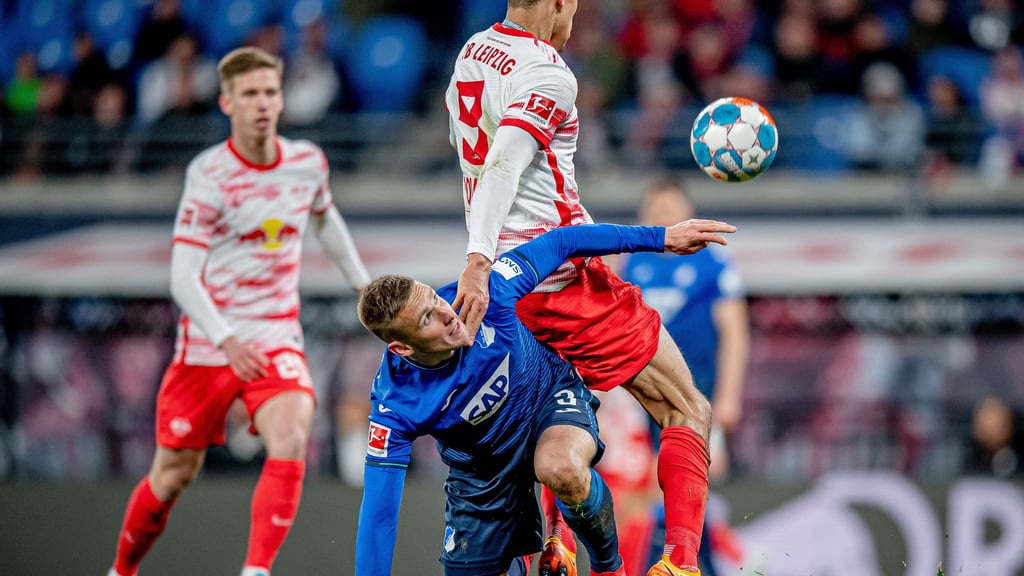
540 106
377 443
489 398
272 234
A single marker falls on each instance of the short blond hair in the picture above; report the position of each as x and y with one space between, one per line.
381 303
246 59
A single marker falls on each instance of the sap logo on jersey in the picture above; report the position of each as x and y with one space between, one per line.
490 397
507 268
377 444
540 105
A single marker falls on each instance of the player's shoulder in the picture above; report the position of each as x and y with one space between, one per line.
214 156
300 150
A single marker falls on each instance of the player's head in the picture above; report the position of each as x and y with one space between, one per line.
250 85
412 319
553 15
665 203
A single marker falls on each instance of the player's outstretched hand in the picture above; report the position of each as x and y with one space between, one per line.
692 236
245 361
473 293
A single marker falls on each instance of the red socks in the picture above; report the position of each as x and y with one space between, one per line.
144 521
553 519
274 505
683 477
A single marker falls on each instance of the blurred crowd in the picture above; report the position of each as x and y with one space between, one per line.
833 383
920 85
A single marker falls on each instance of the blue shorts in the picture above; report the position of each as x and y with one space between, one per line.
492 517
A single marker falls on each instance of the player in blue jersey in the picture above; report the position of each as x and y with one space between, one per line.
702 303
505 411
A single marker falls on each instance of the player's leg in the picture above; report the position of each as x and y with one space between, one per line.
564 454
150 504
666 390
283 421
191 408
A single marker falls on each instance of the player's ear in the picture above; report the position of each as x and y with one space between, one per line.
400 348
225 103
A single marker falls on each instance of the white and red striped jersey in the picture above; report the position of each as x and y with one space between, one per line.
505 76
251 219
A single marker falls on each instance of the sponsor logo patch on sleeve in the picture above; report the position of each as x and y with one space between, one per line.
377 443
507 267
540 105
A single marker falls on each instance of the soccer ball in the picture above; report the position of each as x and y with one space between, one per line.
734 139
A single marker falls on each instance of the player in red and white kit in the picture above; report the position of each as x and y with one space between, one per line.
235 260
513 120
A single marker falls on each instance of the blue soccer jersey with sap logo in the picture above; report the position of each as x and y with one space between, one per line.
479 405
684 292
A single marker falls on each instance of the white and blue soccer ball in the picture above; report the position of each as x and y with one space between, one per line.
734 139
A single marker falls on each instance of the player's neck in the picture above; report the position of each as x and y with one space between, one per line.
430 360
260 151
531 20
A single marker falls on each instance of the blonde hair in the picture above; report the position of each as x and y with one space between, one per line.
246 59
381 303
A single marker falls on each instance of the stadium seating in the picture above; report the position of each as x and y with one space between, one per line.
112 24
225 24
966 67
386 63
46 27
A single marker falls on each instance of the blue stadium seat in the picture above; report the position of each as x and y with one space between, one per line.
810 135
386 63
966 67
225 24
113 25
38 22
475 15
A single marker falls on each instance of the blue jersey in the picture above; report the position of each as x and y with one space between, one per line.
684 292
479 406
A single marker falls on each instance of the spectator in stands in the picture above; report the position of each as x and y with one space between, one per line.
1002 105
995 24
995 447
953 128
181 82
91 72
886 130
22 93
837 20
797 61
164 24
311 83
931 26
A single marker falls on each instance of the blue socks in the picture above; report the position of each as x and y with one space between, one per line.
593 520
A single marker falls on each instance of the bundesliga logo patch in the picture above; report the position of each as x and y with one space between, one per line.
540 105
377 444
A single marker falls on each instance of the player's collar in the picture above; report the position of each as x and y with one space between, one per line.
512 29
510 24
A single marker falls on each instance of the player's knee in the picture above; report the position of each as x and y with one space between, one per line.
287 443
569 480
168 483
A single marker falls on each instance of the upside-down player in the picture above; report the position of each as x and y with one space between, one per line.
513 121
505 412
235 276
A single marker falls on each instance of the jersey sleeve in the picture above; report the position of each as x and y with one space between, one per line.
199 210
323 200
378 520
518 272
542 99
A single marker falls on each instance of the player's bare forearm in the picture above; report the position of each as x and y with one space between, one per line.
692 236
473 293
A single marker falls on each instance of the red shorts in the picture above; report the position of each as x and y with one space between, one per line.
599 323
193 402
